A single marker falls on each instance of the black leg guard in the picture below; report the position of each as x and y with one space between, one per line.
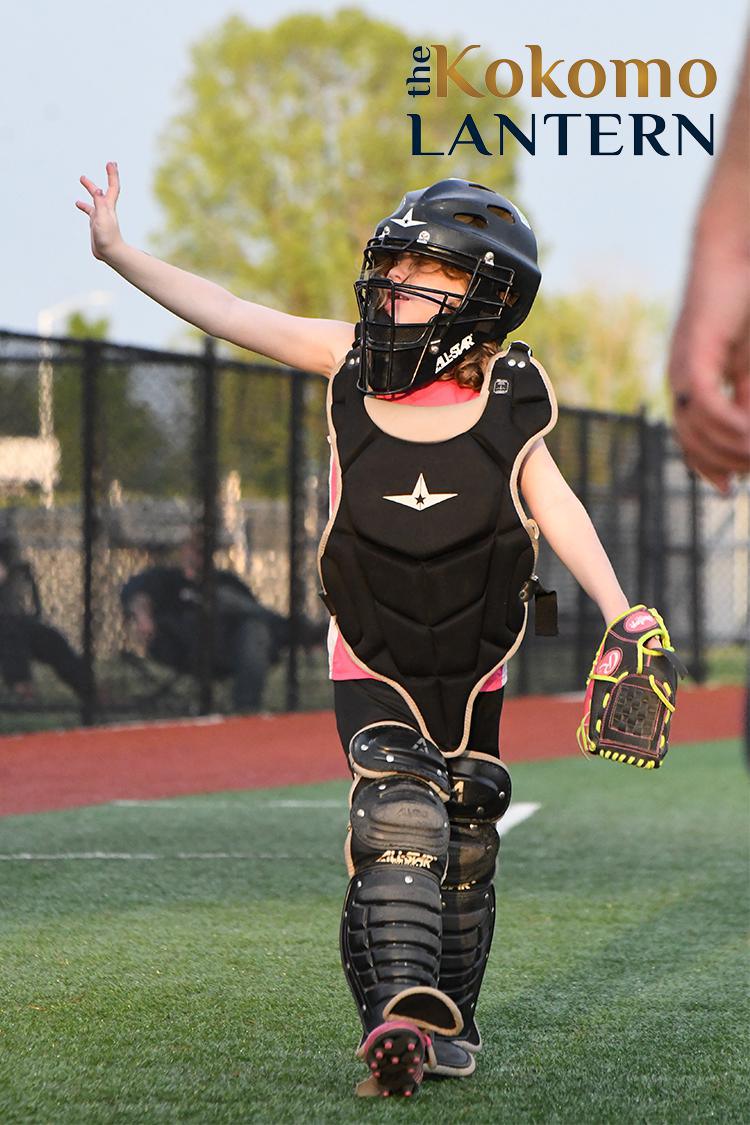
390 943
480 796
391 929
468 926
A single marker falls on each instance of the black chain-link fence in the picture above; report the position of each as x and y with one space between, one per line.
124 471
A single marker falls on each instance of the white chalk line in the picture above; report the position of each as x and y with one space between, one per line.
514 816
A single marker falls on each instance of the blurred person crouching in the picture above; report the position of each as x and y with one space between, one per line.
163 605
24 636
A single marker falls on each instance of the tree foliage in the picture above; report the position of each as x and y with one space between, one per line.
292 143
132 444
602 353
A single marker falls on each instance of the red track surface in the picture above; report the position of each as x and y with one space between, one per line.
64 769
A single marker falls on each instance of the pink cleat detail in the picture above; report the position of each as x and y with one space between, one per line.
394 1053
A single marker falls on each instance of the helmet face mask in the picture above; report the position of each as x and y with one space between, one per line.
400 356
446 224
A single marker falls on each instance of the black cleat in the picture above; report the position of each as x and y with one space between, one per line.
451 1060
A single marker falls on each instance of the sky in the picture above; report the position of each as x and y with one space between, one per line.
80 86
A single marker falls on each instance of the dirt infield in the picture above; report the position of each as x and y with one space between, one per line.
40 772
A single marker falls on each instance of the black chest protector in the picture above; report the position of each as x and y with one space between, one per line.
426 554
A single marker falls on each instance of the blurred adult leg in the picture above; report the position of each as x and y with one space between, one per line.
47 645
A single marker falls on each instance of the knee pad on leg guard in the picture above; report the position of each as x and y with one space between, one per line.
398 813
480 797
398 821
391 928
384 749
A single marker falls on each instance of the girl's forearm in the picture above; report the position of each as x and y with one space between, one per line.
570 533
193 298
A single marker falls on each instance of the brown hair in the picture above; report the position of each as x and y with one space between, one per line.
469 371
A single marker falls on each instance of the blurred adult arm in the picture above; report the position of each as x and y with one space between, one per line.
709 363
303 342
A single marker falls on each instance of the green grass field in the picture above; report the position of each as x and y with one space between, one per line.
196 977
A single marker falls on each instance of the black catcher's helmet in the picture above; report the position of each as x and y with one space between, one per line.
463 225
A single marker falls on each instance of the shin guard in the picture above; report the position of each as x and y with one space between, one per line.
391 929
468 926
480 797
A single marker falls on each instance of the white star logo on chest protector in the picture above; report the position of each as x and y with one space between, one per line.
421 497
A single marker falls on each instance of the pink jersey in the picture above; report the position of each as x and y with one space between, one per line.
444 392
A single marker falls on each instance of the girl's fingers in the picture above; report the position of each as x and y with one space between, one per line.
91 187
84 207
113 183
113 180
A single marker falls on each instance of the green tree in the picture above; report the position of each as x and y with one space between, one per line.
292 142
602 353
132 445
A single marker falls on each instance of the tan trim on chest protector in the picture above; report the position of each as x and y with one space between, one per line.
428 545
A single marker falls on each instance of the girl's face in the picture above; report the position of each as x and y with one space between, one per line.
414 269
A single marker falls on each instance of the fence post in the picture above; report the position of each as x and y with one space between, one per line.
89 522
207 483
582 646
644 492
697 570
659 542
297 386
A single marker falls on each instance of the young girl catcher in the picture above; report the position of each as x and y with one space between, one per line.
427 566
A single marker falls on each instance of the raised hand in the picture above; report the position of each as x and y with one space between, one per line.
105 231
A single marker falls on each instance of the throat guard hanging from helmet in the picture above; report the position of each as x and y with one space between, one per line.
424 560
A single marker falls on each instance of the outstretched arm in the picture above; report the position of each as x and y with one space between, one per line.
303 342
565 524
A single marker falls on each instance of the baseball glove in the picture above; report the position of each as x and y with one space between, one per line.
631 692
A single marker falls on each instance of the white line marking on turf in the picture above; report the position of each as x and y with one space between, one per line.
516 814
